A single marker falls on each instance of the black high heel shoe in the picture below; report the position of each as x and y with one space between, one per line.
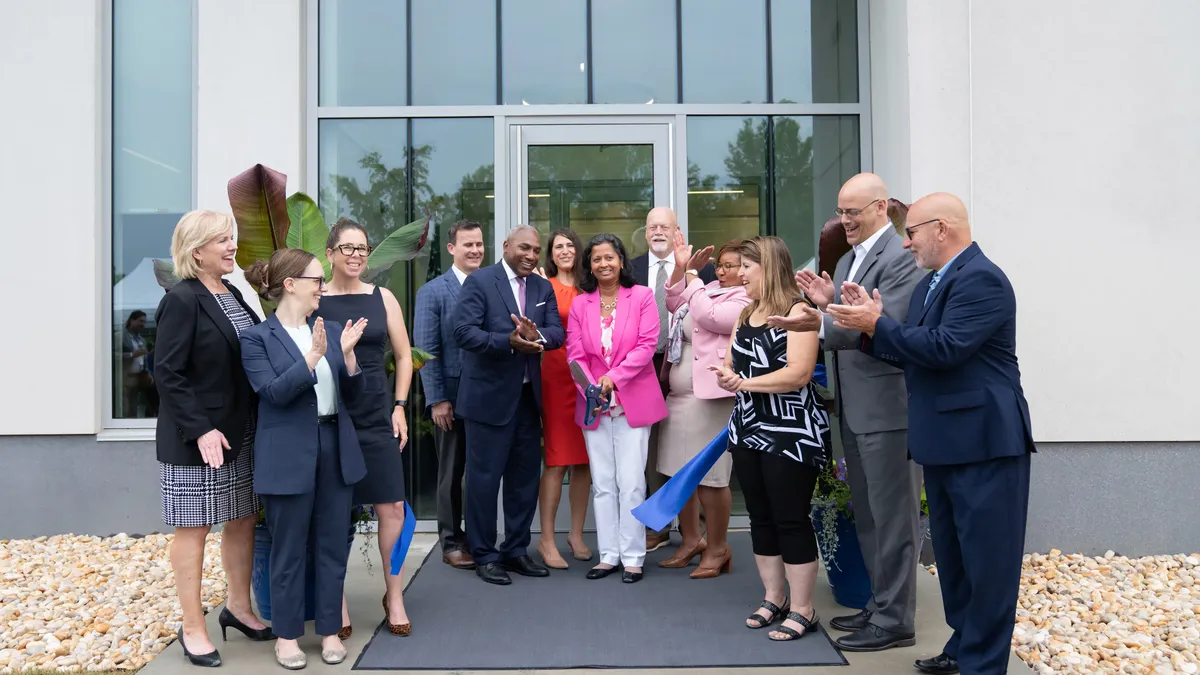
209 660
228 620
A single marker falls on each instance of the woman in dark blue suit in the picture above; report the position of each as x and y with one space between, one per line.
306 453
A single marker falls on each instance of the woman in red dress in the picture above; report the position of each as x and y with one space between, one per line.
563 439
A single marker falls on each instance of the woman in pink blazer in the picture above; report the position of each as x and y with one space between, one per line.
612 331
702 319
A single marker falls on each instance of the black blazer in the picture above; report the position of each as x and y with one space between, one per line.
198 372
641 271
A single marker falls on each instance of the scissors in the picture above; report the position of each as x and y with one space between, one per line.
591 392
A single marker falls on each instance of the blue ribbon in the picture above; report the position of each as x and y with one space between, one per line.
400 550
661 508
819 376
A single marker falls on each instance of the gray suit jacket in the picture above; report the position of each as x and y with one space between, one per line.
870 394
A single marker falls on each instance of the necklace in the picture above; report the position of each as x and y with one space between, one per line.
608 306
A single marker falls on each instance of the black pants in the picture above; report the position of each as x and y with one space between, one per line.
318 520
778 493
452 461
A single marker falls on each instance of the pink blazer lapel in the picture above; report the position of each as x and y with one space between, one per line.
625 332
591 323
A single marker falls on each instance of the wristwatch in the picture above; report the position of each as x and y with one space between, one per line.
401 402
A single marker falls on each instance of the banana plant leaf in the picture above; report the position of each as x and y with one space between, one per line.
403 244
164 274
258 198
308 230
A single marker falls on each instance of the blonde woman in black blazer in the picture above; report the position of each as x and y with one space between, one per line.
205 434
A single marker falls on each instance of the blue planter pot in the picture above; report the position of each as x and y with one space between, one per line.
260 575
845 567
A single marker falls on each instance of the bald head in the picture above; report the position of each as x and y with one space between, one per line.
938 229
862 207
661 226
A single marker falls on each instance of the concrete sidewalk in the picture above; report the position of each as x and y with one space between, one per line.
365 587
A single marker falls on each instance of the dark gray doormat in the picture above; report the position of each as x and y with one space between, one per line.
566 621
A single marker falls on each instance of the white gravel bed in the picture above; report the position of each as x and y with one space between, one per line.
87 603
74 603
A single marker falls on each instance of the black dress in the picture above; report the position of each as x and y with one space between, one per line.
384 482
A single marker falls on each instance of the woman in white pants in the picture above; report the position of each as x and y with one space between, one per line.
612 331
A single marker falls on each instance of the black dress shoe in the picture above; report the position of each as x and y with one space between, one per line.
631 577
938 665
851 623
493 573
525 566
600 572
228 620
210 660
873 639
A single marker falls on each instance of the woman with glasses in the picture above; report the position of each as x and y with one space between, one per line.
382 427
306 452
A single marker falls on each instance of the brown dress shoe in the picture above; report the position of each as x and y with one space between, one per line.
655 542
459 559
683 556
711 569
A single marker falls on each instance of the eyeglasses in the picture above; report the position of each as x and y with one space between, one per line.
909 230
349 250
853 213
320 280
729 266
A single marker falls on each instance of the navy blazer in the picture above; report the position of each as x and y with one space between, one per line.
493 372
433 331
286 442
959 355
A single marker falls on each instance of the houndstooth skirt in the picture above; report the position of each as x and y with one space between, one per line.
201 496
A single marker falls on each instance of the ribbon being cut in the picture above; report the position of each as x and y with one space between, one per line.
400 550
665 504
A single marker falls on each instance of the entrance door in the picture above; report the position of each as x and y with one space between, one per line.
592 177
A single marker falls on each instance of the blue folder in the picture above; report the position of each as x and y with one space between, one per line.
400 550
661 508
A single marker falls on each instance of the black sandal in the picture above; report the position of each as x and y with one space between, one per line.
775 611
809 626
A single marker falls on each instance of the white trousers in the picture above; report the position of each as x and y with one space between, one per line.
617 455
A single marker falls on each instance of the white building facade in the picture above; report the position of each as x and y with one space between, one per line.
1068 128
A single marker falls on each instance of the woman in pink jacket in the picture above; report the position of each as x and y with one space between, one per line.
702 319
612 331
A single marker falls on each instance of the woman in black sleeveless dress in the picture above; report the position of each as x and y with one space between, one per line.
777 437
382 432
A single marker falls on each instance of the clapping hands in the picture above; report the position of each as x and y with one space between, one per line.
524 336
818 289
859 310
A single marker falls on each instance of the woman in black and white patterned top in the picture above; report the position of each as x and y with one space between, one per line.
776 435
205 435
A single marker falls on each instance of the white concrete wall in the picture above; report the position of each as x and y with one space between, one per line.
251 97
50 188
1070 128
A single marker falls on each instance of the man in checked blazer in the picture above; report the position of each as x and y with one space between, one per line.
433 331
872 407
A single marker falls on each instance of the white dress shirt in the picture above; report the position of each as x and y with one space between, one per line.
325 386
461 275
860 255
652 261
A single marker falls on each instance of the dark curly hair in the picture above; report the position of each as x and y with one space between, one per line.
568 234
587 280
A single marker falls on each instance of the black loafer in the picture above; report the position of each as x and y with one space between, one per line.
600 572
874 639
938 665
631 577
849 624
525 566
493 573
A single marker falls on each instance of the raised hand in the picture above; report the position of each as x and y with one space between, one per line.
526 328
351 334
317 350
541 272
683 250
818 289
700 258
212 446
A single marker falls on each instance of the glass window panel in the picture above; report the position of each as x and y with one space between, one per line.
362 52
591 188
633 51
454 47
453 175
152 102
544 51
727 179
813 157
724 51
815 51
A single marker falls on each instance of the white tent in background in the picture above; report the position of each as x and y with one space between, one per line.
137 290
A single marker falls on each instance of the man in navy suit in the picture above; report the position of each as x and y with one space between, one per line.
433 331
968 425
506 317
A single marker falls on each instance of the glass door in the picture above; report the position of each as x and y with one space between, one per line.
591 178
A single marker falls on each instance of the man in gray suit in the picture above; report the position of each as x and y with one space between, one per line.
433 331
873 416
